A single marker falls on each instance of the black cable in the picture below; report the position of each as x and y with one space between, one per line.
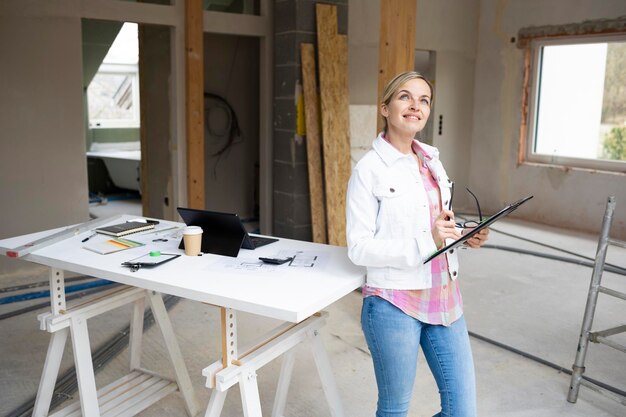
614 269
545 362
233 132
611 268
67 384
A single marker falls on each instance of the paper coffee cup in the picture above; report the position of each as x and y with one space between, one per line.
192 237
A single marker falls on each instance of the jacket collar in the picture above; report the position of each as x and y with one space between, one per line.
389 154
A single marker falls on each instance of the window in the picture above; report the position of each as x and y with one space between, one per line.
113 93
577 102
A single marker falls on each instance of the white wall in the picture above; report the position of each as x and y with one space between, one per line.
42 135
448 27
563 197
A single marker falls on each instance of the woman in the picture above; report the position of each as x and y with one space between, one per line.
397 215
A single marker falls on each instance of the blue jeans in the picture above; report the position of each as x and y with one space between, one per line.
394 337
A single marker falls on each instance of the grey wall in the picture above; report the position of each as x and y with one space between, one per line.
231 70
447 27
571 198
294 24
43 170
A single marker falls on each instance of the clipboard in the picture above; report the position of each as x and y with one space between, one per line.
485 223
149 260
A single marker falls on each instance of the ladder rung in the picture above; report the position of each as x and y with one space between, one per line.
614 293
619 243
610 343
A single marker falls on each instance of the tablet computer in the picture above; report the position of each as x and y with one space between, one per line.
485 223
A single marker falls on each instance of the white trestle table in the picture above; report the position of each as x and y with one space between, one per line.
296 294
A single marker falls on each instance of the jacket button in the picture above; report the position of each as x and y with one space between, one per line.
445 203
451 251
454 273
392 190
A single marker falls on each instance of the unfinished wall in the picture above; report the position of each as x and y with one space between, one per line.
447 27
231 70
566 198
43 170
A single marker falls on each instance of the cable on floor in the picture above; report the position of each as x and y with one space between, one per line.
41 294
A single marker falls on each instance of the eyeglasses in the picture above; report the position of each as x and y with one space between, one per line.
469 223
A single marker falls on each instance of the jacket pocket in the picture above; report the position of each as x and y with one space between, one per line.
389 190
394 200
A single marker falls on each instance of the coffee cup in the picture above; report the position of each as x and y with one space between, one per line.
192 237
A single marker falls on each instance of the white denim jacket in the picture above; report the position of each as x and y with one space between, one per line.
388 219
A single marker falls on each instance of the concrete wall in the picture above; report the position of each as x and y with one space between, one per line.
570 198
42 136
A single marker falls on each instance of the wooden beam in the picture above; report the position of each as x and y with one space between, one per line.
333 68
313 143
194 115
396 51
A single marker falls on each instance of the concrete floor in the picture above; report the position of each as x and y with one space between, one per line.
532 304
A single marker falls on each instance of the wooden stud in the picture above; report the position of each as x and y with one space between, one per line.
333 68
313 143
523 131
194 88
396 51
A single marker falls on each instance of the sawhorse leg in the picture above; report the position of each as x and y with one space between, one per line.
242 371
130 394
50 373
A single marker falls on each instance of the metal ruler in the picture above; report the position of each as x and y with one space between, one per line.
57 237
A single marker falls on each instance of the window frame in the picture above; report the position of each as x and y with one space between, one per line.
121 69
529 116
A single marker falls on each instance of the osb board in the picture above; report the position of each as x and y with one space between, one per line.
313 143
396 52
194 112
333 70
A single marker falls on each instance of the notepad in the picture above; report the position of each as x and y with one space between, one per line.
111 245
126 228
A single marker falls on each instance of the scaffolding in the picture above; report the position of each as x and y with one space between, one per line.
603 336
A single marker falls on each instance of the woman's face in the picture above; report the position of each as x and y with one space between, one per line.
409 108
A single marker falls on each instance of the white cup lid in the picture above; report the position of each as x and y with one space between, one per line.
192 230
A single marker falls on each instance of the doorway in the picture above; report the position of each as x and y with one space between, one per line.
112 116
231 121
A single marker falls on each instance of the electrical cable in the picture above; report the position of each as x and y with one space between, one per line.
42 294
614 269
545 362
34 307
41 284
233 131
67 384
608 267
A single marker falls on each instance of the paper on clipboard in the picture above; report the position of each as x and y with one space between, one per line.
485 223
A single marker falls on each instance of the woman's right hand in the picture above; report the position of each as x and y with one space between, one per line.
444 228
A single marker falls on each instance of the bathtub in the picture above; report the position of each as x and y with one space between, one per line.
122 160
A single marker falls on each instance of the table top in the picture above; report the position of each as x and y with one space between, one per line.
286 292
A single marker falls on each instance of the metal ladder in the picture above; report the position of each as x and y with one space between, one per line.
586 335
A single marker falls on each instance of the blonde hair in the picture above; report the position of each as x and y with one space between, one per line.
398 81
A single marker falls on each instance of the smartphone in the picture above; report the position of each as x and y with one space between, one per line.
275 261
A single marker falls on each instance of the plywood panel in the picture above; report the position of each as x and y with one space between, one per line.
333 68
313 143
396 42
194 115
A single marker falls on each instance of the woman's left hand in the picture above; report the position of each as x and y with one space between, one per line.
478 239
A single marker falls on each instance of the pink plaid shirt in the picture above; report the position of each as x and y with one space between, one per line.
442 303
